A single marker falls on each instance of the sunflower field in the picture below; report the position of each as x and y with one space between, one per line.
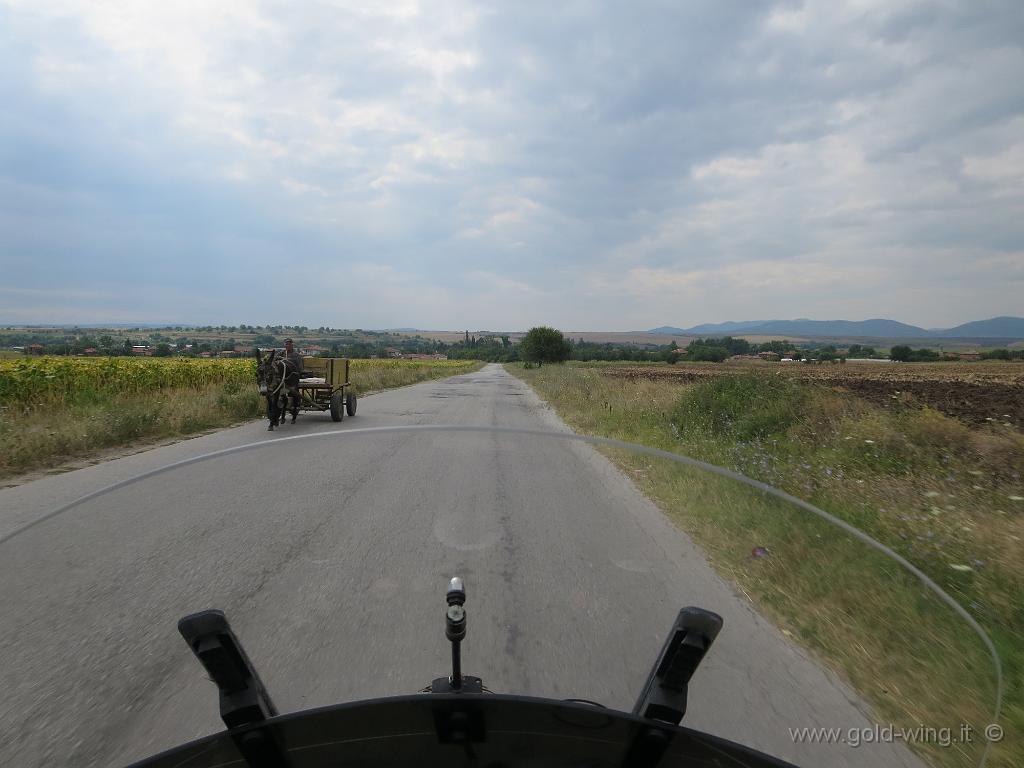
52 380
56 409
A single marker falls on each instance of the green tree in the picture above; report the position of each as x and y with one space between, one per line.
860 350
544 345
776 346
924 355
901 353
708 350
996 354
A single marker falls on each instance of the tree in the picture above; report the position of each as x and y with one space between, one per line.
859 350
776 346
544 345
705 352
901 353
996 354
924 355
163 349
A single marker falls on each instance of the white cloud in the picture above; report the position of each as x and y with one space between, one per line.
577 163
500 284
1005 166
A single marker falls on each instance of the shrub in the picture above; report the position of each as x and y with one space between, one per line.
749 406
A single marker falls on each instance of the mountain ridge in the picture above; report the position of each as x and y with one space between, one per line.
1003 327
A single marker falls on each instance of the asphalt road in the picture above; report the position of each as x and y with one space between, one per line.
330 557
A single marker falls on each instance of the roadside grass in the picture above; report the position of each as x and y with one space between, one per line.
45 435
49 431
945 496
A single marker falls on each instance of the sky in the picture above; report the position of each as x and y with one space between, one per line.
498 165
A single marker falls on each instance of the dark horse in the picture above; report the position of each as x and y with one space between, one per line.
278 379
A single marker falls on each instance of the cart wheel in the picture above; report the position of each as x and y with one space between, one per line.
350 403
337 407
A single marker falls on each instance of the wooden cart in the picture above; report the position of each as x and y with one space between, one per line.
324 386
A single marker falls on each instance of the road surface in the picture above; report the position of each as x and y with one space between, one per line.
331 555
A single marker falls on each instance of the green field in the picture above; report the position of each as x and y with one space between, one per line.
948 497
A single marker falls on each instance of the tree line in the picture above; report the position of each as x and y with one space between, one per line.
489 347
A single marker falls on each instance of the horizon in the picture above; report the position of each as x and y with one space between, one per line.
583 167
481 329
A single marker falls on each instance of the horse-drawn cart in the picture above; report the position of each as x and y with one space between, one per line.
324 386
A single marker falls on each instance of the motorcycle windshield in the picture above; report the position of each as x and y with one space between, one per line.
329 548
511 731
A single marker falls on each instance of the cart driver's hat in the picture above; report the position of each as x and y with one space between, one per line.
287 340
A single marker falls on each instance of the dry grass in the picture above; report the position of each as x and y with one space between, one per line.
939 492
46 436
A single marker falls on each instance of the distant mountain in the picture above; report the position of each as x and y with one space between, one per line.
997 327
803 327
727 327
888 329
668 330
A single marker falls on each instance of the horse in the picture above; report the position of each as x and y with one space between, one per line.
277 378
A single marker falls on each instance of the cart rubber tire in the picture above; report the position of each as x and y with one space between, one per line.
350 403
337 407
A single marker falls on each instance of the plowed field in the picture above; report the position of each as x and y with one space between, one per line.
975 393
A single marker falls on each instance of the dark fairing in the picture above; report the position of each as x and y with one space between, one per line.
498 730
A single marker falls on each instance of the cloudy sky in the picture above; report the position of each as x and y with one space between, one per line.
495 165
